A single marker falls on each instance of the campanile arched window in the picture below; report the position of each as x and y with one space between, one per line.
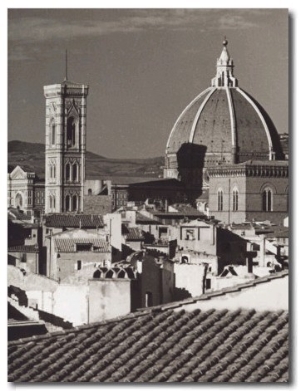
235 200
220 200
67 203
267 200
75 172
74 203
71 132
52 131
68 172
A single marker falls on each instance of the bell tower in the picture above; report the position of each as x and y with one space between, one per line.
65 146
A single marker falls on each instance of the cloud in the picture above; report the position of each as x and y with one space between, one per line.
27 28
45 27
235 22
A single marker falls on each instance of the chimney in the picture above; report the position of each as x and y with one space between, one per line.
249 261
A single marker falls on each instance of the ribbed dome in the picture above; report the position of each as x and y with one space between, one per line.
229 125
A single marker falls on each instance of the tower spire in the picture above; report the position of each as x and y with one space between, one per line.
224 76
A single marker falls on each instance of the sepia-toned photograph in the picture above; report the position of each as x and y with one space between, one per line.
148 195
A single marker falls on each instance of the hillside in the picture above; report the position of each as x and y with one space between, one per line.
31 156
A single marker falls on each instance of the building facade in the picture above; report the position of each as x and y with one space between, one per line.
25 190
254 190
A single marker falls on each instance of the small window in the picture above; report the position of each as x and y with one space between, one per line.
84 246
90 192
267 200
235 200
79 265
208 283
190 234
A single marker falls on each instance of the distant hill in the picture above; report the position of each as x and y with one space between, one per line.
31 157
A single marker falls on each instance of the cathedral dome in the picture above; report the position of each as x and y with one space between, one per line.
225 122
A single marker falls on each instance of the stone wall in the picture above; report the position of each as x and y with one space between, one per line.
97 204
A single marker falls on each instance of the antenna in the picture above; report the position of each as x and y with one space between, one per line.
66 77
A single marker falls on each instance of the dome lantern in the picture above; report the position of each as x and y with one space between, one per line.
224 76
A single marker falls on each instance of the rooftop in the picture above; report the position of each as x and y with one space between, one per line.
61 220
132 233
69 245
160 346
141 219
168 343
24 249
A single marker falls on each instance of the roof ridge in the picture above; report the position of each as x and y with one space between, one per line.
223 291
162 307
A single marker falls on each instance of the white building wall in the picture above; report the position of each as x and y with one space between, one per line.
267 296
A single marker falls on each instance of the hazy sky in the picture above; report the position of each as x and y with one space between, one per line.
143 68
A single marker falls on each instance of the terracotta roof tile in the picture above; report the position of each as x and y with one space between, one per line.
24 249
69 245
61 220
141 219
160 346
132 233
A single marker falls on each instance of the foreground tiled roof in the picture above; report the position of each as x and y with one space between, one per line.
161 345
73 221
69 245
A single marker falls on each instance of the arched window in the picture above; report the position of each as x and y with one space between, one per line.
54 171
74 202
90 192
19 200
67 203
109 274
50 202
53 201
74 172
235 200
53 133
122 274
220 200
267 200
68 172
71 132
97 274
